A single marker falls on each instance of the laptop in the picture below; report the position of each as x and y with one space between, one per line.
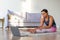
15 31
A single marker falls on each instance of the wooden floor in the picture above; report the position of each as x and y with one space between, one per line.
6 35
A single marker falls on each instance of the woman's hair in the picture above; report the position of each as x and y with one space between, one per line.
45 10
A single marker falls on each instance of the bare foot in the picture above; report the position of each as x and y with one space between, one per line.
31 30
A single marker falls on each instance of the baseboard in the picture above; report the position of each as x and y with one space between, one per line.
23 26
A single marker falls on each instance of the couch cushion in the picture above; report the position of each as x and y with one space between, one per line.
33 17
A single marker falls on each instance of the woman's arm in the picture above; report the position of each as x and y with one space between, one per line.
41 22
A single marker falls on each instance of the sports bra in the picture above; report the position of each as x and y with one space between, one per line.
47 22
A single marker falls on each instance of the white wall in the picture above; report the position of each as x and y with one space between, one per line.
36 6
53 7
14 5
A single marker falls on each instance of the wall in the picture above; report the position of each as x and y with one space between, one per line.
36 6
52 6
14 5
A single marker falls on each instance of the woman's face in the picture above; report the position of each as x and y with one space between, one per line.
44 14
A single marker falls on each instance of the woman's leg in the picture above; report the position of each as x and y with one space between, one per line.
39 31
52 29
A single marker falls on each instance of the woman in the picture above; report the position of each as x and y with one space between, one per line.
50 25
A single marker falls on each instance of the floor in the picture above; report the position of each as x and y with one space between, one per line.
7 35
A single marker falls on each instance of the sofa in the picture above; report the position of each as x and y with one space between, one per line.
23 19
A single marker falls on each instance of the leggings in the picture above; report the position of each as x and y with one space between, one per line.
52 29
